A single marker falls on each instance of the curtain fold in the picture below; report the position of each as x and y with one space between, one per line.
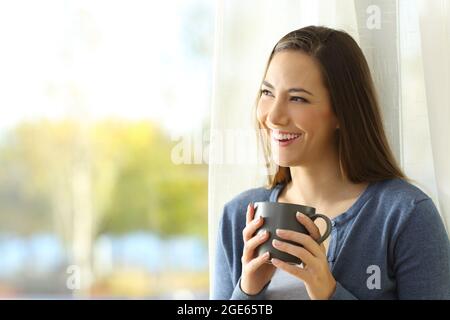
435 45
379 42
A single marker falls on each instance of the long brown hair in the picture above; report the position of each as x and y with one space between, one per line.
364 152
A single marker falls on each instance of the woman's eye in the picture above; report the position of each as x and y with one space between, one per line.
265 92
299 99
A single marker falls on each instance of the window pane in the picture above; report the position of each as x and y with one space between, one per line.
99 97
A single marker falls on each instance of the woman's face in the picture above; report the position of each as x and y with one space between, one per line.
295 101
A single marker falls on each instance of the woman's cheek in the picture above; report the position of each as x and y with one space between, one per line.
261 112
304 119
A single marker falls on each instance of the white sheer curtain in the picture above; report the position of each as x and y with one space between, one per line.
435 45
407 45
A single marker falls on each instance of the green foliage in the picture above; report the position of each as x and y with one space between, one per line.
132 181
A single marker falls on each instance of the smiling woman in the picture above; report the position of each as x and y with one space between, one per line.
311 114
336 106
318 106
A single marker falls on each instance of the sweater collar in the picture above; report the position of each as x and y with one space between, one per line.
343 217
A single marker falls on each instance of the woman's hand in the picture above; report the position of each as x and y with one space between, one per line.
256 272
319 281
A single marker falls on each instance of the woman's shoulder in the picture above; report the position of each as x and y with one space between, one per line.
401 202
237 206
401 190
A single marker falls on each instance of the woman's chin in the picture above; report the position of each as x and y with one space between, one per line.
283 162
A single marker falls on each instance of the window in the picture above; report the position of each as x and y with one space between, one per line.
95 98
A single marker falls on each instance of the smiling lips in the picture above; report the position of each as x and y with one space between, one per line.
284 136
283 139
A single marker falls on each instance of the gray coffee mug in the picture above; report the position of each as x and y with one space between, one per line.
278 215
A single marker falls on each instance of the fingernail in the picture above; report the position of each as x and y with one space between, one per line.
300 215
266 254
280 232
263 234
274 261
275 242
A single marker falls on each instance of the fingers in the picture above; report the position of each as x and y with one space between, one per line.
309 225
292 269
252 244
303 239
254 264
250 213
296 251
251 228
252 241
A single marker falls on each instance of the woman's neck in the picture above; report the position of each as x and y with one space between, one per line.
320 184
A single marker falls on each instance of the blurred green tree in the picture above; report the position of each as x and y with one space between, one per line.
134 184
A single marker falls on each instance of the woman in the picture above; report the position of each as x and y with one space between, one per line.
320 123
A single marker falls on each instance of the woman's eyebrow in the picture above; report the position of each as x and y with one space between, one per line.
267 84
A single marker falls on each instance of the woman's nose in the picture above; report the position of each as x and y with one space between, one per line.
277 114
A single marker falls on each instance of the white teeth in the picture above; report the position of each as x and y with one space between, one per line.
288 136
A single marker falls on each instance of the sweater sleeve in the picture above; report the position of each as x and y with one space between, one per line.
223 288
422 255
238 294
223 284
341 293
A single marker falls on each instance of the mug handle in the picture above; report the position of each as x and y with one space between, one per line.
329 226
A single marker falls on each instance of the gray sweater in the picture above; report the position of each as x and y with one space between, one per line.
393 231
